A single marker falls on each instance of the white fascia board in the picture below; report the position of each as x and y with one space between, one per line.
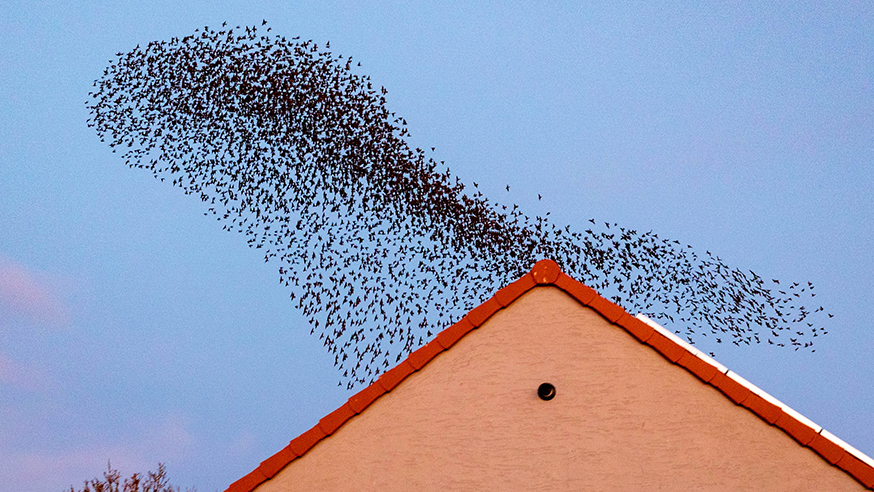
850 449
758 391
697 353
664 331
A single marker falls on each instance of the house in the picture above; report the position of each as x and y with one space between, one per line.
549 386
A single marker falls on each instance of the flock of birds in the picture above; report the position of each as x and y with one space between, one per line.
380 245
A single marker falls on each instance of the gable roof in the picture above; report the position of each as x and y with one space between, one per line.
547 272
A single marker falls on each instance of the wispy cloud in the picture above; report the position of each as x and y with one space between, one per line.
166 441
170 438
37 470
244 443
27 294
20 375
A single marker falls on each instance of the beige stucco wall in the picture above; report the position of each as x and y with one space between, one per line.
623 419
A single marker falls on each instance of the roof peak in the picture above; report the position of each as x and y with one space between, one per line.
547 272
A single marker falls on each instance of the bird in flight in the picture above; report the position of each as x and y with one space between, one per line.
380 245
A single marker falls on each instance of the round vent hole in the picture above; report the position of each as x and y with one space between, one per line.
546 391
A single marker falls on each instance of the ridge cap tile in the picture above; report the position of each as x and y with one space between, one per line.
607 309
767 396
827 448
424 354
694 351
750 386
514 290
334 420
304 442
698 367
801 418
626 316
640 330
666 347
248 481
547 272
395 375
451 335
713 362
731 388
579 291
361 400
862 472
853 451
797 429
271 466
480 314
763 408
667 333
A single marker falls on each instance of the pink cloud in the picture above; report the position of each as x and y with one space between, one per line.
41 470
28 295
166 441
170 438
19 375
244 443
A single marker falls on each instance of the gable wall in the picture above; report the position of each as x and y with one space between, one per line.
623 418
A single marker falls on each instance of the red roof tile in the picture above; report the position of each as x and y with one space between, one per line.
335 419
449 336
826 448
578 291
510 293
704 371
639 329
799 431
607 309
763 408
420 357
361 400
478 315
394 376
273 464
855 467
732 388
304 442
250 481
666 347
547 272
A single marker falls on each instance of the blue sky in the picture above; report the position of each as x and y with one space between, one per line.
133 328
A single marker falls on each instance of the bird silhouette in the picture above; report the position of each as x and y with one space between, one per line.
379 244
